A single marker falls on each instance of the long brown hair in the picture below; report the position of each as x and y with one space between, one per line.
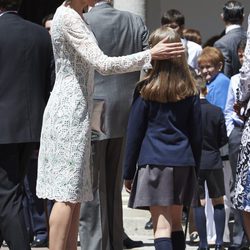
169 80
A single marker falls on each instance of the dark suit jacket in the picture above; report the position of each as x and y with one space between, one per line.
214 135
118 33
165 134
25 72
228 46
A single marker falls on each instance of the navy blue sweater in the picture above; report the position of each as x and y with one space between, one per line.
165 134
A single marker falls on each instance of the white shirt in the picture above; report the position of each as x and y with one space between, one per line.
232 27
194 51
230 116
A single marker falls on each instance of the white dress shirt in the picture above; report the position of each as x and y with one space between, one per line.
194 51
230 116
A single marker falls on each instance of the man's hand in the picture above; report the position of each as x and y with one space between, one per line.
240 109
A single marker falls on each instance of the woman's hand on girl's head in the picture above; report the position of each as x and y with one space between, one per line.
128 185
165 50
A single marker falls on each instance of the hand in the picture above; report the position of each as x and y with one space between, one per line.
239 109
128 185
165 50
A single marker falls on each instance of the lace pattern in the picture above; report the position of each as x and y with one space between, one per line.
241 199
245 69
64 158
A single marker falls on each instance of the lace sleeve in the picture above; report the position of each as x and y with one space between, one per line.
245 69
82 40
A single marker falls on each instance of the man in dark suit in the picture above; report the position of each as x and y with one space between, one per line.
25 59
118 33
233 15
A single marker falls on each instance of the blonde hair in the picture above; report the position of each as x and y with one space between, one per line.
169 80
211 55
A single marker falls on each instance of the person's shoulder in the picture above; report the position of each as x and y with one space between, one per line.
211 107
221 41
66 16
235 77
35 29
138 88
33 25
129 15
224 77
194 97
230 37
193 45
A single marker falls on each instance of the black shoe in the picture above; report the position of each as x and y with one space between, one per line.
149 225
194 237
39 243
128 243
219 247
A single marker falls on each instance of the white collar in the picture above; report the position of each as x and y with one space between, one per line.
100 3
232 27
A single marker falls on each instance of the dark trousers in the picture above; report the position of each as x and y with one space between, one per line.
101 219
234 146
35 207
13 165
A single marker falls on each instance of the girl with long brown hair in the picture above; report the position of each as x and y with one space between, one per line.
164 141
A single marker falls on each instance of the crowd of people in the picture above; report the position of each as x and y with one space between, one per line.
84 111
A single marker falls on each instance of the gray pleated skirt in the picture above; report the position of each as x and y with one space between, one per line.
162 186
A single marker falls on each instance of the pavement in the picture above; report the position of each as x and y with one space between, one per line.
134 222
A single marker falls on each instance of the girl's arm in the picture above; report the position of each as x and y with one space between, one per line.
137 126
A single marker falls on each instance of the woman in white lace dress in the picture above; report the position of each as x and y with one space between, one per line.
63 164
241 198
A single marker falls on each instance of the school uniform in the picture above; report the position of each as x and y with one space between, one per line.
164 140
214 137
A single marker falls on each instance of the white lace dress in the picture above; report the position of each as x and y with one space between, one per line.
241 199
64 157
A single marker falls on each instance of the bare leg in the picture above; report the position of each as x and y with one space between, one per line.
162 221
246 220
73 231
60 221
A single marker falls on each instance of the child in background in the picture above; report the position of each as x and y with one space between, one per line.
214 137
164 139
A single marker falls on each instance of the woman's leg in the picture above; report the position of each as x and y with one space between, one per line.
219 218
246 221
73 231
177 236
60 221
162 223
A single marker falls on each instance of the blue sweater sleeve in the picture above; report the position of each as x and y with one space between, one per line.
137 126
